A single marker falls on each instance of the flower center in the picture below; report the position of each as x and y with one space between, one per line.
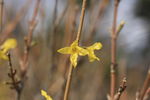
74 50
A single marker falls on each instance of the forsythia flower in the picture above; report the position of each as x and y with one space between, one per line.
74 50
6 46
90 49
43 93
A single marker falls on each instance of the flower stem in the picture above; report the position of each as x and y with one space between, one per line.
145 86
113 50
69 78
1 14
81 20
77 38
14 84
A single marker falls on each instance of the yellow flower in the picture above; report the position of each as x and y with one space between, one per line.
74 50
90 49
6 46
44 94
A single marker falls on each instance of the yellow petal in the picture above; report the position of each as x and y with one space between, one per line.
9 44
95 46
66 50
3 56
47 97
92 57
81 51
74 44
73 59
90 49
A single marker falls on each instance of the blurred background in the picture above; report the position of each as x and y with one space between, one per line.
57 24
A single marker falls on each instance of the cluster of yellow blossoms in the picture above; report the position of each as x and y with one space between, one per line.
75 50
6 46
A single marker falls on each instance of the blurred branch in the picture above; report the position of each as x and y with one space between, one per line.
137 96
147 94
12 25
28 39
68 38
52 37
59 19
55 11
93 26
1 14
145 86
63 60
24 62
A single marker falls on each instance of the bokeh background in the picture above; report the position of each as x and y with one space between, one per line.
57 26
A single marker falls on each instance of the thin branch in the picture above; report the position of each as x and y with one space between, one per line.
121 89
93 26
56 20
77 38
145 86
51 37
1 14
69 78
12 25
55 11
113 50
14 84
64 60
25 61
28 39
81 20
147 94
59 19
69 36
137 95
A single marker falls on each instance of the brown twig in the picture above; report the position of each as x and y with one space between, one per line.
51 38
93 27
68 38
121 89
28 39
81 20
137 95
67 88
56 20
14 84
70 31
145 86
25 60
11 25
147 94
1 14
55 11
59 19
113 50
